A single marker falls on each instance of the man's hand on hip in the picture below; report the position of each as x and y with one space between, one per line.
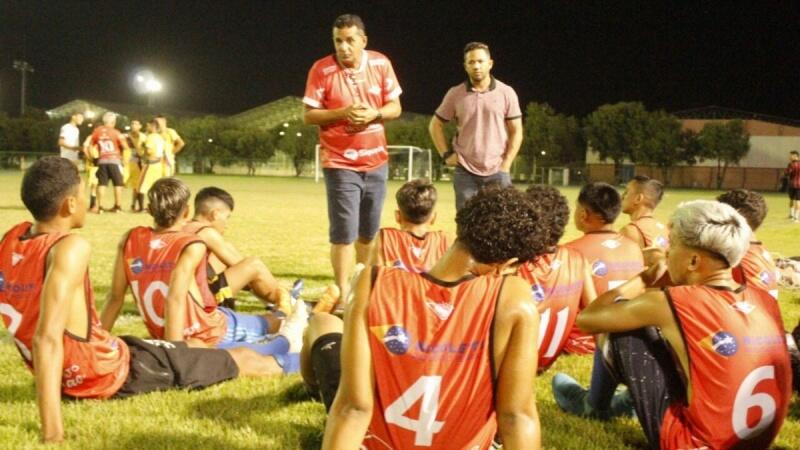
451 160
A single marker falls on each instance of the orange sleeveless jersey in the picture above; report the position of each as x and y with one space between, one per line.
556 286
431 345
740 374
758 270
614 259
653 232
149 260
407 251
95 367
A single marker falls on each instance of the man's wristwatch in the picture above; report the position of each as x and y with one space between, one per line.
447 154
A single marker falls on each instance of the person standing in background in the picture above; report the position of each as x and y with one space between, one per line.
173 144
793 176
489 122
69 139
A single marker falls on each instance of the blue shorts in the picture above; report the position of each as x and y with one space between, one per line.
244 327
355 202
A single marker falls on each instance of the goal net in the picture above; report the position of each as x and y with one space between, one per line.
406 162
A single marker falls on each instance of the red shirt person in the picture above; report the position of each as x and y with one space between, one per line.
349 95
792 173
716 373
757 268
109 143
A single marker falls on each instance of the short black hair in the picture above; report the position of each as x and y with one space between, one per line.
553 207
498 224
749 204
601 199
652 189
46 183
203 198
476 46
794 152
349 20
167 200
416 200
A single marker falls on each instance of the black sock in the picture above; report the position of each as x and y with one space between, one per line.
92 201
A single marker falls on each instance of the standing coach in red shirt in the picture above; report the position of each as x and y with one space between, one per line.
349 95
489 122
793 185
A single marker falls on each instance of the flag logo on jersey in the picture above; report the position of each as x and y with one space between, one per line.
599 269
394 337
2 282
661 241
538 292
611 244
765 277
137 265
722 342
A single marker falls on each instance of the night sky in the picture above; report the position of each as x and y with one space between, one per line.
225 56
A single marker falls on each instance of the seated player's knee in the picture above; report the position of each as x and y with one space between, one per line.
323 323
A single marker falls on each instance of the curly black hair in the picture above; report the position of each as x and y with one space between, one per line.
46 183
553 207
749 204
498 224
601 199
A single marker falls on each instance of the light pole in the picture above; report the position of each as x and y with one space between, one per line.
24 68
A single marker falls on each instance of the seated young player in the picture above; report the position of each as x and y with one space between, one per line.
757 268
460 339
47 304
614 258
705 361
640 199
559 279
228 271
414 246
166 271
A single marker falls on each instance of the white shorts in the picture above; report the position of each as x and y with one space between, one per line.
71 155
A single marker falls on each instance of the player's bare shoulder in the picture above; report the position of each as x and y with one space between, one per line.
516 302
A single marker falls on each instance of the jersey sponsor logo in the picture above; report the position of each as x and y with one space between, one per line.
611 244
744 307
15 288
329 70
353 154
377 62
765 277
138 266
661 241
722 342
599 269
416 251
538 292
394 337
157 244
442 310
15 258
2 281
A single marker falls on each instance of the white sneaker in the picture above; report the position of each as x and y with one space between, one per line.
293 326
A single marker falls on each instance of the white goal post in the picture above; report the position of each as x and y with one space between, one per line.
423 163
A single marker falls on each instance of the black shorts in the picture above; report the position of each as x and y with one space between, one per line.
794 193
163 365
327 367
111 172
642 361
218 284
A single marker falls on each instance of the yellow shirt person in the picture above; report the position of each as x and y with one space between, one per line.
152 162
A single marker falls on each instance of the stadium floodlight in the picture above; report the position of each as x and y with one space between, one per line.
544 152
285 124
146 83
299 134
282 133
210 140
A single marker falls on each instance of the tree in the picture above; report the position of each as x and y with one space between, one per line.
299 142
203 137
617 132
662 144
550 137
251 145
727 142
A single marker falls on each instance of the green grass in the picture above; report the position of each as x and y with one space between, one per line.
284 222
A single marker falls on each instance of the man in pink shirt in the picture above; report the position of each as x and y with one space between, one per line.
349 95
489 123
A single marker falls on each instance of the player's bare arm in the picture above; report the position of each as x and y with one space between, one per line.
514 129
436 130
352 409
589 293
179 283
178 145
630 232
515 351
119 286
219 247
66 268
318 116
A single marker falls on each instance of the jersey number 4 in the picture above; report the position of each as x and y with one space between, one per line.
427 389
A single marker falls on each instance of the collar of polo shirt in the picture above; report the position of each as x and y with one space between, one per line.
469 87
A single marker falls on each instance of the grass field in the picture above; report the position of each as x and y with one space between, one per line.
284 222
